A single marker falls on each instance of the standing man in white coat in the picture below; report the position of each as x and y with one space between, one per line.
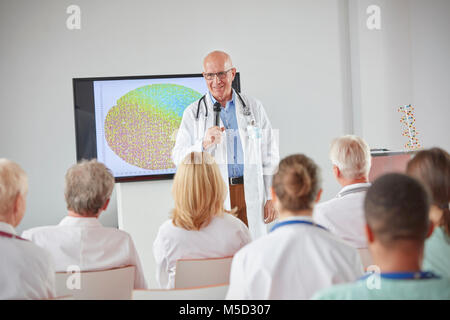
243 144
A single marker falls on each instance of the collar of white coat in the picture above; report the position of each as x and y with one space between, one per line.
233 98
299 218
354 186
279 223
80 222
6 227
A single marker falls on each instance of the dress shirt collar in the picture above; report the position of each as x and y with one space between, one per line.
6 227
354 186
80 222
233 98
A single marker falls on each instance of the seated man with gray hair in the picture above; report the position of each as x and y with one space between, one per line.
344 214
26 271
80 240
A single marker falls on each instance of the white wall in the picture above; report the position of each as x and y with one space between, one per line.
430 52
405 62
293 55
288 53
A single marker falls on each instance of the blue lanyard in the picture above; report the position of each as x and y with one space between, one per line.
284 223
405 275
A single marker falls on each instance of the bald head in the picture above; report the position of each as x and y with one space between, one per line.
217 57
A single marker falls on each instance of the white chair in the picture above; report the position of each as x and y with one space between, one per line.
216 292
60 298
202 272
111 284
366 257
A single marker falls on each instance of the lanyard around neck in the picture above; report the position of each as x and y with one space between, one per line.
10 235
285 223
405 275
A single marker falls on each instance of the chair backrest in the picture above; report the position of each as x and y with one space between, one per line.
202 272
216 292
60 298
366 257
111 284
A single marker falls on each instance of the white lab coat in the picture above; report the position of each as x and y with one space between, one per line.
260 148
26 271
344 215
292 262
85 243
223 237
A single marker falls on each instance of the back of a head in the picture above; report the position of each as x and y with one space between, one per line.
296 183
89 185
198 190
396 208
351 155
13 181
432 168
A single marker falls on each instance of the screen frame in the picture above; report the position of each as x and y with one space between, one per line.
75 81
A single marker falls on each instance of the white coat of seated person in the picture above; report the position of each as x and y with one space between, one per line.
80 239
344 214
200 227
298 257
26 270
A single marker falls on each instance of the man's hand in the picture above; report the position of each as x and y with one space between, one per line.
270 213
213 136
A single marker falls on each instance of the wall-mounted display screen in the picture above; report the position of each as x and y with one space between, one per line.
129 123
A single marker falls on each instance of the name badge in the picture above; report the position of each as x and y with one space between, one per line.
254 132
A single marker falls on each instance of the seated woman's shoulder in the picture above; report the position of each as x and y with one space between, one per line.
229 218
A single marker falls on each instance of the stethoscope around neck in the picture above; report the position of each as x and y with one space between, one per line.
245 108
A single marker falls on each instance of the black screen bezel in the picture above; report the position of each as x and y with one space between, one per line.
87 148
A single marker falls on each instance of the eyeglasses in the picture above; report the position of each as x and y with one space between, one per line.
221 75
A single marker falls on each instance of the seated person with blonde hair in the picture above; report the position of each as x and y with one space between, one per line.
344 214
432 168
80 239
396 210
200 227
26 271
298 257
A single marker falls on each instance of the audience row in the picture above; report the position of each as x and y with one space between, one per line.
310 252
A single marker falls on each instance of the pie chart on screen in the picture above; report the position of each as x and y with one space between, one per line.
140 128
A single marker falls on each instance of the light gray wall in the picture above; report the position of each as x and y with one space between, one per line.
289 54
305 60
405 62
430 52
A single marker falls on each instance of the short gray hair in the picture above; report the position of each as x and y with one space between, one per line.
351 155
13 181
89 185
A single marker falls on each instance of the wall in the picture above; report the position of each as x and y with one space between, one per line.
289 54
405 62
430 51
303 59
